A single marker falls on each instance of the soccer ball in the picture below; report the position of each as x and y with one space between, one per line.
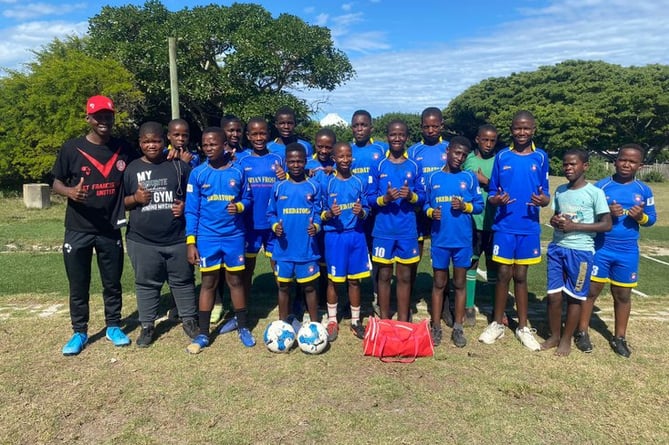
279 336
312 338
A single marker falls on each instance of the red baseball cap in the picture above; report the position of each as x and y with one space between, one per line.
99 103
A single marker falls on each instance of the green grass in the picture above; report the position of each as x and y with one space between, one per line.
228 394
31 229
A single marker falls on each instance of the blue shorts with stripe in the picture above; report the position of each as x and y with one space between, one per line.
442 256
510 249
346 256
390 251
620 268
256 239
302 272
568 271
216 253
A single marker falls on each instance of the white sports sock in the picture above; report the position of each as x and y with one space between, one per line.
332 312
355 314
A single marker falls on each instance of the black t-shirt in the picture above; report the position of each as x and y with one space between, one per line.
154 223
102 168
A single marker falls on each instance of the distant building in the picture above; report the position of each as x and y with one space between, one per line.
333 120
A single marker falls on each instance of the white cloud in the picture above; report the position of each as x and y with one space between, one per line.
347 6
341 28
321 19
616 31
30 36
34 10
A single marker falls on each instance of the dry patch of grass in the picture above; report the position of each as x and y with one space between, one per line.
497 393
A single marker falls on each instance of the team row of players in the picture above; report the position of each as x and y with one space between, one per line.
281 199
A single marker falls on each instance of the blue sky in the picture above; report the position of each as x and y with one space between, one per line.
411 55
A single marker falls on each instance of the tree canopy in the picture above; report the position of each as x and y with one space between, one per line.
577 104
236 59
231 59
44 106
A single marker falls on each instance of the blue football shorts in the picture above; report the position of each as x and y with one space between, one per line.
568 271
516 249
346 256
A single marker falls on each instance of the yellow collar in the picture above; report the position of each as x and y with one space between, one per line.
405 154
534 147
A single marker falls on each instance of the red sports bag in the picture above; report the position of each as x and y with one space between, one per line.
397 341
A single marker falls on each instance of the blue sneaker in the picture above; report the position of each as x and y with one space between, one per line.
228 326
76 344
200 342
117 336
246 337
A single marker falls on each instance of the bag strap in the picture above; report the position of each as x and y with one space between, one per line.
400 359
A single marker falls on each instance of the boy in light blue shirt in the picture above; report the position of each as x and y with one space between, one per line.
580 211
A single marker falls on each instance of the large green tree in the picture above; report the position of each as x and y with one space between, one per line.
412 120
236 59
593 105
44 105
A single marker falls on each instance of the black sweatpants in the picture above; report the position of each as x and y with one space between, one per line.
78 254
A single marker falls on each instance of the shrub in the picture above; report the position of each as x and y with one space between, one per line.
653 176
598 168
555 166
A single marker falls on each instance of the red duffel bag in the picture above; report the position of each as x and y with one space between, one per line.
397 341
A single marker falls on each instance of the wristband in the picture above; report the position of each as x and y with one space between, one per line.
190 239
644 219
429 212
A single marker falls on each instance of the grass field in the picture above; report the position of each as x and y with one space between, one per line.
497 393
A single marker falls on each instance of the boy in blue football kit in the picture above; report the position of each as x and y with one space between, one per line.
430 152
233 128
632 206
480 163
345 208
580 211
321 162
518 188
217 194
396 188
430 155
261 174
320 167
366 153
452 196
284 123
294 213
155 192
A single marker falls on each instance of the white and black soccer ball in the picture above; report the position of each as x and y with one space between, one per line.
312 338
279 336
